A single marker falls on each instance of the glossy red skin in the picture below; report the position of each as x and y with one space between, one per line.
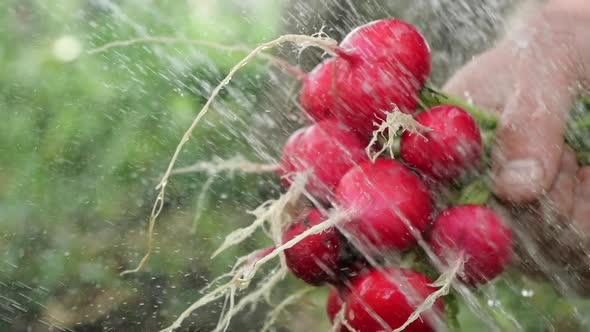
392 294
333 304
316 259
290 151
452 147
478 231
382 64
379 194
328 148
316 93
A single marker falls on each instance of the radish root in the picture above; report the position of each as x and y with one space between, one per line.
210 297
244 275
273 316
388 129
167 40
229 290
200 204
444 283
340 320
233 165
156 210
204 43
272 211
332 221
263 291
327 44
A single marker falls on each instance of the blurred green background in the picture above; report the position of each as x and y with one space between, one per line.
84 139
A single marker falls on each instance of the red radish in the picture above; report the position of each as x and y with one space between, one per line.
316 94
384 198
316 259
290 152
333 307
379 65
290 159
328 149
477 233
451 147
334 304
391 294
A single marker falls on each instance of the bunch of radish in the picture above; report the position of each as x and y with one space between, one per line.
370 225
390 206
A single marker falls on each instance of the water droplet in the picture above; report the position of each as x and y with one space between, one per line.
493 303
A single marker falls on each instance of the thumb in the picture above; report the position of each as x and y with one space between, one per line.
483 81
530 139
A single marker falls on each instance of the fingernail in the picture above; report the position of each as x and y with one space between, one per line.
523 174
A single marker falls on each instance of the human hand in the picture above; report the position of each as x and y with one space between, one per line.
532 78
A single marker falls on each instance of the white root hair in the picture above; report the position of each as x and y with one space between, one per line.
340 320
273 315
272 211
444 283
200 204
233 165
245 274
327 44
388 130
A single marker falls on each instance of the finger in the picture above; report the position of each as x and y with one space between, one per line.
562 195
527 156
582 201
484 81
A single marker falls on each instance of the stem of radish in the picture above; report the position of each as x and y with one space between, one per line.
477 192
431 97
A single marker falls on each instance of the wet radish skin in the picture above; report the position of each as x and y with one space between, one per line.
328 149
392 294
451 147
316 93
289 153
316 259
478 232
382 65
381 196
334 304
